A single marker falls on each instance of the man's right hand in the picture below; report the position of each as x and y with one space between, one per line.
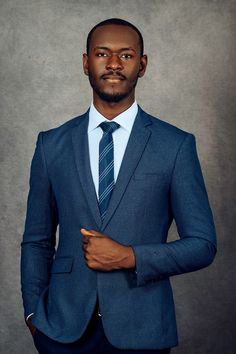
30 325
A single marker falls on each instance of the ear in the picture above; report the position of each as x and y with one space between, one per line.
85 63
143 65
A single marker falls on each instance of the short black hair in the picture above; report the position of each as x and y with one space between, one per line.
115 21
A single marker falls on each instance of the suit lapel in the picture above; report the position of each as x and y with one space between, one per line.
137 142
81 152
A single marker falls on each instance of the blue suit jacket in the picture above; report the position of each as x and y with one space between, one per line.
160 179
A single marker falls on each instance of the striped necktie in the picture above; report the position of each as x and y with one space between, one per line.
106 166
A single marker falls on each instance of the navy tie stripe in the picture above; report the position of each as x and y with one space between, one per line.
106 150
106 166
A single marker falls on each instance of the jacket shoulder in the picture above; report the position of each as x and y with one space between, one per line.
63 129
167 128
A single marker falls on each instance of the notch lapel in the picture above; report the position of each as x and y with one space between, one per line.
81 152
137 142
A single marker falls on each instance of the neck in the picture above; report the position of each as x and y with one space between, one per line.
112 109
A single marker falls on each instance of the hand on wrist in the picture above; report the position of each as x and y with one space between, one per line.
129 261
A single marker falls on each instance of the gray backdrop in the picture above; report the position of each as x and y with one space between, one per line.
190 82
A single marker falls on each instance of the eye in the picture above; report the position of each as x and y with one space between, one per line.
102 55
126 56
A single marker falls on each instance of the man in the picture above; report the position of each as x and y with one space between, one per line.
113 179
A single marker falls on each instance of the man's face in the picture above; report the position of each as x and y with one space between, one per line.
114 63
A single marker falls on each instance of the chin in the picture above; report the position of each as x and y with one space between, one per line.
114 97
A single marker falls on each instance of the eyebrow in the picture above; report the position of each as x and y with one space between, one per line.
121 49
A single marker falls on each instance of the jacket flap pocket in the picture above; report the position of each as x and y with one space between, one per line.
62 265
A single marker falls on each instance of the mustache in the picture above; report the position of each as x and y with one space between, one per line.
111 73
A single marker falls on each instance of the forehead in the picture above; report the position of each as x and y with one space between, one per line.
115 36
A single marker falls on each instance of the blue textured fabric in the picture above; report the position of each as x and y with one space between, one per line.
159 180
93 341
106 166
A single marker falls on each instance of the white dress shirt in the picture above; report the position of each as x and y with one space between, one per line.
120 138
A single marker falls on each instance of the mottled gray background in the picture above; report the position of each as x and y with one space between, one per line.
190 82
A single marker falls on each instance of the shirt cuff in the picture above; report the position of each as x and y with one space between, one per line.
31 314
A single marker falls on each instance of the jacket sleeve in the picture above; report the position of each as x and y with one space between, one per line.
39 238
196 246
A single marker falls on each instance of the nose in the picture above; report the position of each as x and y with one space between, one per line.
114 62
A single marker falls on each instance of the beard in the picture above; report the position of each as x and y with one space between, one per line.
111 97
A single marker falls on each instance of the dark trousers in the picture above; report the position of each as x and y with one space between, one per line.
93 341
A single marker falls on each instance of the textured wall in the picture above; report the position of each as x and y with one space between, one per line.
190 82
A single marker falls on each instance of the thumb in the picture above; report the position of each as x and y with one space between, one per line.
89 232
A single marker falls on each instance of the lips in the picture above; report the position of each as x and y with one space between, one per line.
113 77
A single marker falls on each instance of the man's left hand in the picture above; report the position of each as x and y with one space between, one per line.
103 253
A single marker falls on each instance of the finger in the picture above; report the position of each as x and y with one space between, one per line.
85 239
93 233
84 247
96 233
86 232
86 257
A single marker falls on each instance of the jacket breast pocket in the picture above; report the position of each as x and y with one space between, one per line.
148 176
150 185
62 265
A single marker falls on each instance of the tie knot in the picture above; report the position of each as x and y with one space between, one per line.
109 127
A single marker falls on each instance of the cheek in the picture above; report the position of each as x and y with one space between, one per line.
95 67
133 70
133 77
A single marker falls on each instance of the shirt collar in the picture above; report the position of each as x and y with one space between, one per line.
124 119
